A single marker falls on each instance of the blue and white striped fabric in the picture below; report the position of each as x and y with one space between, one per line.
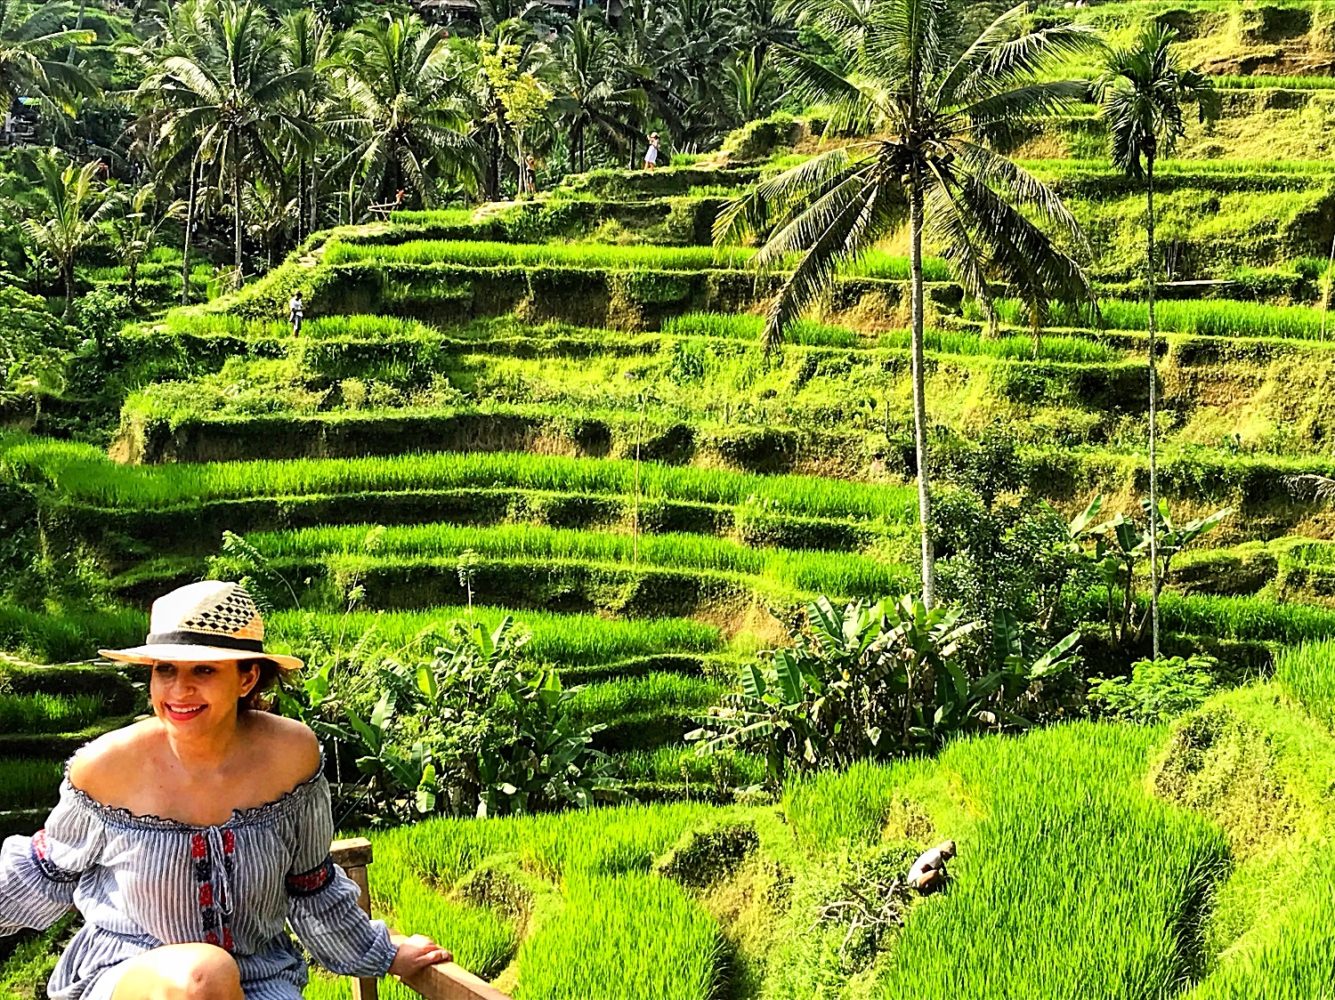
141 882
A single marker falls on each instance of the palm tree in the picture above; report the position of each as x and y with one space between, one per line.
77 203
588 95
753 83
405 122
135 231
932 117
35 51
1142 91
230 89
310 43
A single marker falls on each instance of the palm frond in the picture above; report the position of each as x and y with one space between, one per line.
755 213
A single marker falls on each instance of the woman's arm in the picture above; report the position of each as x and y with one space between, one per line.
322 900
38 874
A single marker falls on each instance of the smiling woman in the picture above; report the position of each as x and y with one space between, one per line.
190 839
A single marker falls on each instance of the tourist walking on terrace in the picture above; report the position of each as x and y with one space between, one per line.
188 840
294 311
651 154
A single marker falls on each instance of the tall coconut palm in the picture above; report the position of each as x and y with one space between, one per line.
36 53
310 42
404 123
70 222
589 92
932 117
1143 90
230 89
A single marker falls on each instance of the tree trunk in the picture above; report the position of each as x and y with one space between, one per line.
189 227
315 196
236 213
1325 296
301 196
67 277
920 398
574 150
1154 411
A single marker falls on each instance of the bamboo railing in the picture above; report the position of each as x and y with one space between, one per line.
436 982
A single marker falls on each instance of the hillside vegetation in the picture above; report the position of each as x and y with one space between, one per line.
539 438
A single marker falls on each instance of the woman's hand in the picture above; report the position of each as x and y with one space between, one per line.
415 954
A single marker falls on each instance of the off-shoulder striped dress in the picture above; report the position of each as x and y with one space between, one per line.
141 882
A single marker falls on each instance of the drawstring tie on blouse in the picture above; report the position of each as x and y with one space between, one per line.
222 864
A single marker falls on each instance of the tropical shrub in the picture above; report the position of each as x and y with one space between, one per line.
1157 690
873 682
459 724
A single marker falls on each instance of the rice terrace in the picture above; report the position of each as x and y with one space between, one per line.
773 498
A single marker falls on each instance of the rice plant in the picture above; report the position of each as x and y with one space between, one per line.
1014 347
835 573
1202 317
478 253
42 712
647 935
659 692
84 473
29 784
1307 675
71 635
685 764
569 640
1044 904
1290 953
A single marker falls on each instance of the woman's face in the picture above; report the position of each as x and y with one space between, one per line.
199 696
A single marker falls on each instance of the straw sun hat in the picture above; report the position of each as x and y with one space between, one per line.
202 622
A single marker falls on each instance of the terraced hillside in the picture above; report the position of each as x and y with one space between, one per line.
555 411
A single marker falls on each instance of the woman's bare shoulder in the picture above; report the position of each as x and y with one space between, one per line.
101 766
290 744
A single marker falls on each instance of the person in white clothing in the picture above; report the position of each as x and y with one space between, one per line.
651 154
294 311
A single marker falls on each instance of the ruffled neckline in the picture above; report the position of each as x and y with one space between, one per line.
120 816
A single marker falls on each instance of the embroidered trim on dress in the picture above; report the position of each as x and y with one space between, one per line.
120 816
313 881
49 869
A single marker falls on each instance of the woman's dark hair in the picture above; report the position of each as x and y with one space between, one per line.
271 674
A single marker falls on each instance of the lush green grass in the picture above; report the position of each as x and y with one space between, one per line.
664 944
549 846
84 473
1237 82
28 784
685 764
1254 618
355 326
472 253
570 640
478 253
1307 674
658 692
1043 904
1291 954
834 573
47 713
811 334
1203 317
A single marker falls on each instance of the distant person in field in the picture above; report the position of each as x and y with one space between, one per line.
530 174
294 311
928 873
651 154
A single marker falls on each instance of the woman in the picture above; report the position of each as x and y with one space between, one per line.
188 840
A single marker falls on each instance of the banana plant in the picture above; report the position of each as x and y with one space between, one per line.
1123 543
